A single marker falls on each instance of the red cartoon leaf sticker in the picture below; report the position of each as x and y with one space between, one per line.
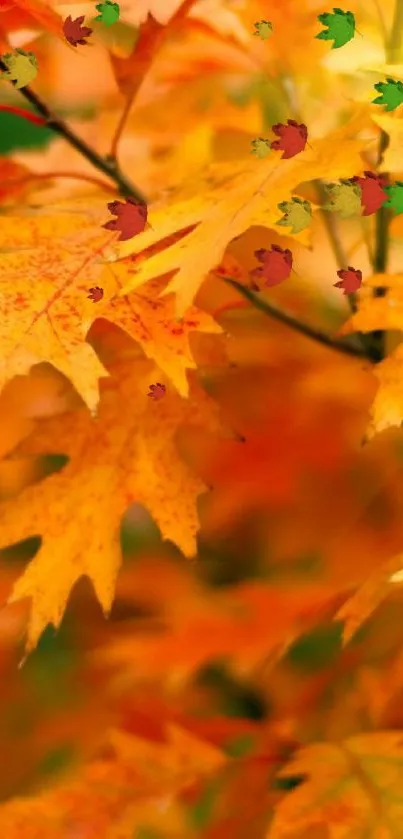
292 136
157 391
96 294
131 218
373 195
350 279
276 265
75 33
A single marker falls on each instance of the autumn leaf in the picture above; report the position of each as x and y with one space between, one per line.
41 305
43 14
75 32
352 787
344 198
350 279
157 391
395 197
391 94
263 29
393 126
340 27
373 192
109 12
276 265
151 321
297 214
131 218
96 294
225 213
106 472
293 138
261 147
22 68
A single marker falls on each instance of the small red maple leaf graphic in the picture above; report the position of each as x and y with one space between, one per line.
292 136
372 193
350 279
157 391
276 265
74 32
131 218
96 294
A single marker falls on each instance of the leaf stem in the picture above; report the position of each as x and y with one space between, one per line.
109 167
303 328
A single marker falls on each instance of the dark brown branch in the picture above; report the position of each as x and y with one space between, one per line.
109 167
303 328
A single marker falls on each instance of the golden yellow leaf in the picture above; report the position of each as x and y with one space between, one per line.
151 321
353 787
387 407
393 125
251 199
48 262
127 454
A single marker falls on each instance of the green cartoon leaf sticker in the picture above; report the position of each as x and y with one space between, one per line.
297 214
22 67
108 12
391 94
261 147
395 197
263 29
344 198
340 27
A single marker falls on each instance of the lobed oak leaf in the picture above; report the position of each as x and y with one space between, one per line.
151 320
74 31
276 265
352 787
131 218
127 454
42 306
350 279
292 140
230 209
373 194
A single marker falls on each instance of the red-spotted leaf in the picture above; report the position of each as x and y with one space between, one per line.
131 218
350 279
276 265
292 138
74 31
373 195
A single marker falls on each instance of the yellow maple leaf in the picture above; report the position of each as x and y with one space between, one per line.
48 261
249 198
151 321
127 454
393 126
353 787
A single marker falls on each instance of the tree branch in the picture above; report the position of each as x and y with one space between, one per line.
303 328
109 167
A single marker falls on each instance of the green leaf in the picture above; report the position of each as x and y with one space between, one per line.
391 94
261 147
109 12
340 27
395 195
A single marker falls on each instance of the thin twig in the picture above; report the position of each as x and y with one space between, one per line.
109 167
303 328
